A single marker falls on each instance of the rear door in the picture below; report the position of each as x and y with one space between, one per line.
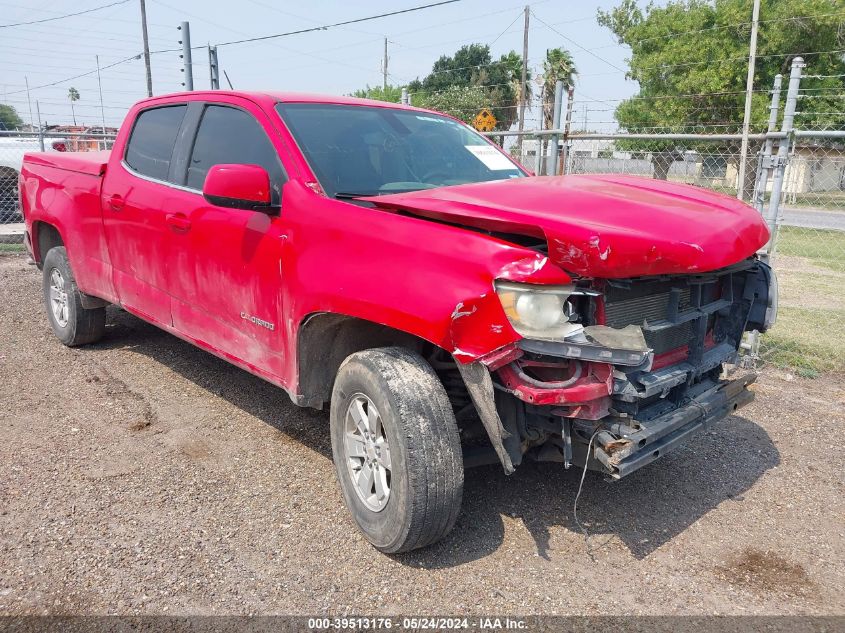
137 197
228 291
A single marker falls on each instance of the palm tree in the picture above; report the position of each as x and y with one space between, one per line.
512 65
73 95
558 65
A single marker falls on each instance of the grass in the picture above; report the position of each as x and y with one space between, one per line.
825 248
808 341
822 200
12 248
809 336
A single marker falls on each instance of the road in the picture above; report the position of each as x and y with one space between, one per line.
144 476
814 218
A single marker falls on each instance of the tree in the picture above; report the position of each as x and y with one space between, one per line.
461 102
558 65
689 58
9 119
473 66
73 95
391 94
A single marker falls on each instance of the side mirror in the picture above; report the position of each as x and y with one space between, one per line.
238 187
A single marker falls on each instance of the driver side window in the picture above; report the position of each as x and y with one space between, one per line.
230 135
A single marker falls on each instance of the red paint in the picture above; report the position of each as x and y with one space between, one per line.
211 274
592 388
604 225
238 182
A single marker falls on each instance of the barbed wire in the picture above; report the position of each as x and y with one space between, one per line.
721 61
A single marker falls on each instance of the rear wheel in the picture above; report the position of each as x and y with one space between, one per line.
396 449
73 324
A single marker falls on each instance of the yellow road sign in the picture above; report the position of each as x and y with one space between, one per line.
484 121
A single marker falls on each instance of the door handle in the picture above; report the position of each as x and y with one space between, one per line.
178 222
116 203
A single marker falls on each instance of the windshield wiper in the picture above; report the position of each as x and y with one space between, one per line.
348 195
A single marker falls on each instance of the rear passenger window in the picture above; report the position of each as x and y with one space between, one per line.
229 135
153 139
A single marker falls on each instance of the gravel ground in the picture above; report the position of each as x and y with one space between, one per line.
143 476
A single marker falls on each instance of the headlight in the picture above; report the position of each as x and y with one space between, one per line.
772 302
539 311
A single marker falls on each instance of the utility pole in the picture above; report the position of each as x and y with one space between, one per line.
214 69
29 101
384 68
187 64
100 86
749 89
146 48
523 86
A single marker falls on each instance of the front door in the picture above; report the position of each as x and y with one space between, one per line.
228 291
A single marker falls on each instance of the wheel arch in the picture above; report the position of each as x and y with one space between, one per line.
45 236
326 339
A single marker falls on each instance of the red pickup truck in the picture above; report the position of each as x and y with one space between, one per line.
394 265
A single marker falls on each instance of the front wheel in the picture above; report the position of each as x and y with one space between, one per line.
396 449
72 324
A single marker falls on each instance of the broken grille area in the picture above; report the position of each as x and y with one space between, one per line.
640 302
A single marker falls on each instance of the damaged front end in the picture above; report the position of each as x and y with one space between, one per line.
613 374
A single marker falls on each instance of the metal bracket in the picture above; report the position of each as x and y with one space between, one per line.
773 162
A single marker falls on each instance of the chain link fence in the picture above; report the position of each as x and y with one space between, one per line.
13 146
794 177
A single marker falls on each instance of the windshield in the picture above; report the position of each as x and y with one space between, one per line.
368 150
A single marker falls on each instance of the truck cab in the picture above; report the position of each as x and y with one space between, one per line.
396 267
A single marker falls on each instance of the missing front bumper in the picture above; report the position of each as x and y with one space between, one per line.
623 447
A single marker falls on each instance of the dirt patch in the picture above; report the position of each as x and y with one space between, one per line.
195 449
767 571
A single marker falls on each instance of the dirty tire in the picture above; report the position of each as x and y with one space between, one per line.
427 476
82 325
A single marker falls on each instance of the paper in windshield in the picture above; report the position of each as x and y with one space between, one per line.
492 158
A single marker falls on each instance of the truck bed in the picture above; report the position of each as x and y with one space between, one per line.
90 163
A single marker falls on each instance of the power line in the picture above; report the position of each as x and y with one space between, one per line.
718 61
337 24
518 15
573 42
67 15
90 72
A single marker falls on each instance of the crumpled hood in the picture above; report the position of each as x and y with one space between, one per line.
603 225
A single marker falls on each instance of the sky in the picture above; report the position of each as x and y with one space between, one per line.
332 61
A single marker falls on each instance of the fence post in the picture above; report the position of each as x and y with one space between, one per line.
570 101
551 169
764 165
764 169
780 162
778 165
405 100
